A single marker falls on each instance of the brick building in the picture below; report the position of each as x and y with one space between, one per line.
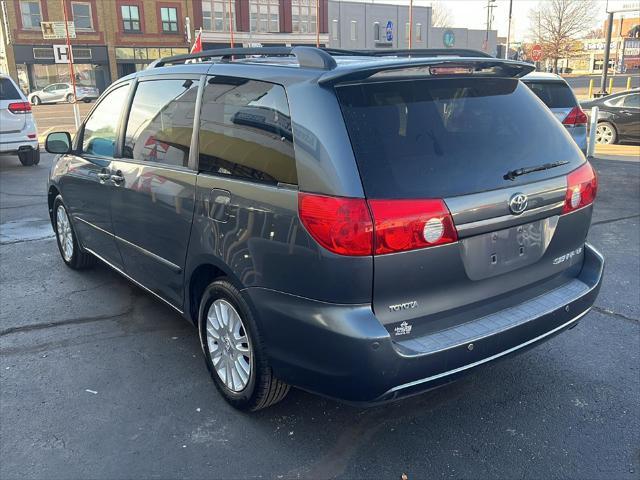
113 38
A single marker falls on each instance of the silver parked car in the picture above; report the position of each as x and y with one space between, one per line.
556 94
63 92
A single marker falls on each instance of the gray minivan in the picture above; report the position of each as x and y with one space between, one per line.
361 227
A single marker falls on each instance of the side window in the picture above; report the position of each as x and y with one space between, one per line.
245 131
632 100
160 123
99 136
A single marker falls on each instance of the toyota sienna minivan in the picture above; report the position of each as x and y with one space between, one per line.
361 226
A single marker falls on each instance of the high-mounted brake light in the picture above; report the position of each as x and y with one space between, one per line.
582 186
352 226
19 107
451 70
576 118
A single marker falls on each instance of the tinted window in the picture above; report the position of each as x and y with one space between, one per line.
632 100
7 90
245 131
553 94
99 137
447 137
161 122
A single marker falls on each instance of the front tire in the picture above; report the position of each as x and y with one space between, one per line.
233 350
70 98
606 133
66 238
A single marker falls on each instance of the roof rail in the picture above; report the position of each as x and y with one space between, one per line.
310 57
427 52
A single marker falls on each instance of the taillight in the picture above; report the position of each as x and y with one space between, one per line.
402 225
341 225
582 186
345 225
576 118
19 107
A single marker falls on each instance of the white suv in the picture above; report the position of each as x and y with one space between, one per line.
18 132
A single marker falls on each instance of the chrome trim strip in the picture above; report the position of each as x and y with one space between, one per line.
488 359
144 251
132 280
509 218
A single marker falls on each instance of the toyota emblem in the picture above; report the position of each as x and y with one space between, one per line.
518 203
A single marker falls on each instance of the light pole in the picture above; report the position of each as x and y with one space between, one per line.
607 50
506 50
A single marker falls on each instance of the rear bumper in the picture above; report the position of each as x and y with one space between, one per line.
343 351
13 146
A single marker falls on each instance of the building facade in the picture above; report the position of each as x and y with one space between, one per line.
112 38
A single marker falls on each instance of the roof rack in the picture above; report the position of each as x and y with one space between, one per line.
426 52
310 57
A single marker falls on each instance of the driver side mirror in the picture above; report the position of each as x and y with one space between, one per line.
58 142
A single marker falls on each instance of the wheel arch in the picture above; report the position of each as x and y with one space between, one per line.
51 197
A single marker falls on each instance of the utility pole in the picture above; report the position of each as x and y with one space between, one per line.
605 63
318 23
506 50
490 6
231 23
410 23
72 74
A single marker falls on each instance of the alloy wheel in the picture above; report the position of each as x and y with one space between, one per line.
229 345
65 236
604 134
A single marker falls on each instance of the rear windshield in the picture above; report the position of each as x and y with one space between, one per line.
553 94
448 137
7 90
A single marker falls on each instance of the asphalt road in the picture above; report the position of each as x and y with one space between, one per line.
99 380
619 81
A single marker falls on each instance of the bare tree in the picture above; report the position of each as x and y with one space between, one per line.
557 24
440 15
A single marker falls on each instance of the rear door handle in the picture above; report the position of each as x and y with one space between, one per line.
118 178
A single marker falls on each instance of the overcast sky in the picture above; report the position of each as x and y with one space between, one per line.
473 13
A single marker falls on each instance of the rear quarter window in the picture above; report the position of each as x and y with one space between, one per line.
436 138
8 91
553 94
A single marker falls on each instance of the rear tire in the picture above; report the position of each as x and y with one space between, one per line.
29 157
249 392
36 101
606 133
66 238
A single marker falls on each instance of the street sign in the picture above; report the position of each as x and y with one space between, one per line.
56 30
536 53
61 54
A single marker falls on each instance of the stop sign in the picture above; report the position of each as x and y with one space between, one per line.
536 53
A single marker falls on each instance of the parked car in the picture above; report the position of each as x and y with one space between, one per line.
364 228
18 133
63 92
556 94
618 117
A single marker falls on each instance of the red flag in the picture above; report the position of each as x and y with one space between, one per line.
197 45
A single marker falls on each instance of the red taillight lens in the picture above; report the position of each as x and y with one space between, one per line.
19 107
341 225
582 186
576 118
344 225
402 225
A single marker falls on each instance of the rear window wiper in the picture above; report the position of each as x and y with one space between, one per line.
512 174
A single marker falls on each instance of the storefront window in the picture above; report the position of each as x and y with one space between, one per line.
30 13
303 16
264 15
43 75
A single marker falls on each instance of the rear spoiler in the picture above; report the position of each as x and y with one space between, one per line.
494 67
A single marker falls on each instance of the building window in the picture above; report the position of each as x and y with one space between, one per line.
31 16
354 30
169 18
303 16
376 31
334 29
130 18
215 15
264 15
82 17
419 31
